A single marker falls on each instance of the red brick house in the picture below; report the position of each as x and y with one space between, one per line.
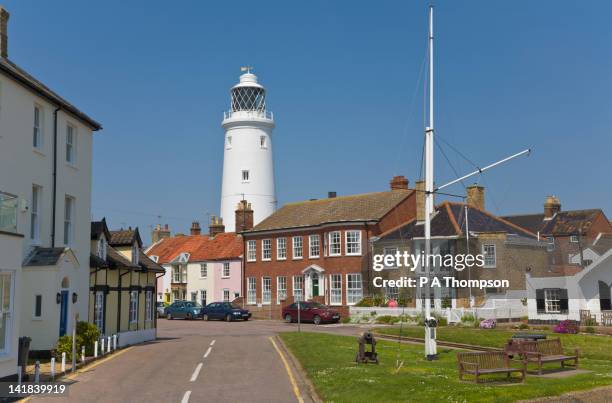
320 249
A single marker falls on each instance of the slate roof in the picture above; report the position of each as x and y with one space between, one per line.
97 262
117 260
21 76
44 256
125 237
602 244
223 246
148 264
354 208
99 227
563 223
450 220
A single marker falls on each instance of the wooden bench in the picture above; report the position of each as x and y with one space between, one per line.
485 363
549 350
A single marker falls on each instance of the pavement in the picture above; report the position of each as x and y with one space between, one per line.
195 361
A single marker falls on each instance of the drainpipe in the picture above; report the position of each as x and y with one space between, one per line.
54 192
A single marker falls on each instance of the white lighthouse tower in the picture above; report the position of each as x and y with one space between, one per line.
248 169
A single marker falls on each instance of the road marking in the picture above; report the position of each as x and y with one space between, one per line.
196 372
296 390
185 398
212 343
207 352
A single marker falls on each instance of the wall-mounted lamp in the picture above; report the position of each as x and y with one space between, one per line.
58 298
74 297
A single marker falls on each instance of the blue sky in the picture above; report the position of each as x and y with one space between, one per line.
343 82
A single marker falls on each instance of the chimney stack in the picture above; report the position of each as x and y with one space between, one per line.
244 216
476 196
420 200
399 182
195 228
552 206
331 195
216 226
160 233
4 17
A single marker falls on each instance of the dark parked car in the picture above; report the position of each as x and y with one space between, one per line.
161 309
224 311
310 312
184 309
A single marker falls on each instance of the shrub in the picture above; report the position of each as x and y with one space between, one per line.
87 334
488 324
387 319
64 345
345 319
468 317
365 302
372 313
378 300
524 319
566 326
589 322
590 329
523 326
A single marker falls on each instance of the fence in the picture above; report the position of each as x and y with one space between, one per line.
453 315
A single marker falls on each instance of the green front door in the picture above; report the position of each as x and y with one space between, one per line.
315 285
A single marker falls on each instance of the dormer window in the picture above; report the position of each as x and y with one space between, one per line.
102 248
135 253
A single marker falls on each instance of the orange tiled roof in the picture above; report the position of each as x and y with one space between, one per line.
200 247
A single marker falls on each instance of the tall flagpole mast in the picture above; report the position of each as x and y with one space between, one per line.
430 337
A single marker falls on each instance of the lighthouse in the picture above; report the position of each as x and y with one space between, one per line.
248 169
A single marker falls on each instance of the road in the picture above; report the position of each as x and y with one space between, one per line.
196 361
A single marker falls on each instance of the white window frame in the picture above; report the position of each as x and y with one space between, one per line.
266 251
7 283
332 245
99 310
71 144
354 294
226 291
335 289
225 270
298 292
390 250
316 244
281 289
352 246
203 270
266 290
203 297
489 263
34 315
133 307
281 248
37 128
251 250
135 254
102 247
246 176
69 207
176 273
251 290
35 213
552 297
297 249
574 238
550 245
148 306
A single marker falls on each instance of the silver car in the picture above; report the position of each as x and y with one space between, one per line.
160 309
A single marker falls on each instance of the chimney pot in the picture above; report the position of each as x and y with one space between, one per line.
552 206
331 195
244 216
4 17
158 233
399 182
476 196
195 228
216 226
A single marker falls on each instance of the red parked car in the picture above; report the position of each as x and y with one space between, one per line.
310 312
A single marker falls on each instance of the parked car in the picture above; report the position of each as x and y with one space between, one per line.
183 309
225 311
310 312
161 309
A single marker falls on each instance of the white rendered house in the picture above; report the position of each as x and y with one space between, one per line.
248 168
45 203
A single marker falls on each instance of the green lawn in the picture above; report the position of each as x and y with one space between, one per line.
329 361
591 346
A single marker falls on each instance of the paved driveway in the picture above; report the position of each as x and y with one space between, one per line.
197 361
